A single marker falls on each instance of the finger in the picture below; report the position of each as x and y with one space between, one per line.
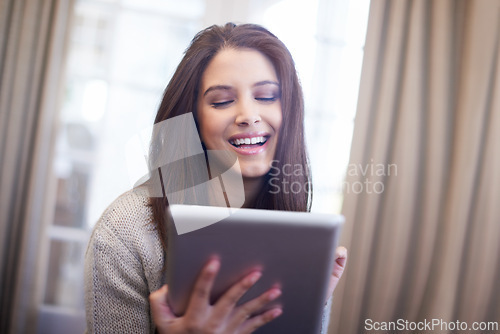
227 302
159 307
338 270
258 321
200 296
340 262
245 311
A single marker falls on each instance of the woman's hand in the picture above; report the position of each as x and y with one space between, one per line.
338 269
223 316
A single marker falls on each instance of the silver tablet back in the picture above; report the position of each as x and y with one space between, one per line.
294 251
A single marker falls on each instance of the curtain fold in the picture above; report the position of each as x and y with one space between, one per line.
423 231
27 48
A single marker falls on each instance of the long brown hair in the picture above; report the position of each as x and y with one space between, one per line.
181 94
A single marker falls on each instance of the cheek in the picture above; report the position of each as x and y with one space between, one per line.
208 133
205 125
211 128
279 120
276 118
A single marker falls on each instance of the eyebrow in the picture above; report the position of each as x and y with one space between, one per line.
224 87
218 87
266 82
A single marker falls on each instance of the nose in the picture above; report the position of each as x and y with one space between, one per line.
247 114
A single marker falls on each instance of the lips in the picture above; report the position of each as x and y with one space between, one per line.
249 143
260 140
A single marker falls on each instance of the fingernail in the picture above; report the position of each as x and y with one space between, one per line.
274 294
254 278
213 266
276 313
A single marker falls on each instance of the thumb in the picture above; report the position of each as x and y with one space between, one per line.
340 262
162 313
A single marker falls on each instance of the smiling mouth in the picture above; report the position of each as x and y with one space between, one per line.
249 142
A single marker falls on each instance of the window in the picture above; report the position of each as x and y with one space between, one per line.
327 46
120 56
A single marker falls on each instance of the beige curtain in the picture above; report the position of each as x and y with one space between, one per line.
32 36
422 195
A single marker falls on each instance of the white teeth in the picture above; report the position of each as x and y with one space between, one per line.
248 141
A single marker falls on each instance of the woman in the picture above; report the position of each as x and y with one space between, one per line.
241 85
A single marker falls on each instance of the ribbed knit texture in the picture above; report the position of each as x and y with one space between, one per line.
123 265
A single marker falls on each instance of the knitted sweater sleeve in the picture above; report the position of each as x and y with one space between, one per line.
326 316
122 266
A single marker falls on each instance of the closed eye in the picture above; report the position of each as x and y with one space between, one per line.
221 104
267 99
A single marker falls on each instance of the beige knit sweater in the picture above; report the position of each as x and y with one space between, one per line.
123 265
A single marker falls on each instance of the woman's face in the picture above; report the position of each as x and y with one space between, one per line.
239 108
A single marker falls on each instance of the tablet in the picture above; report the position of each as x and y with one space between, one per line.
294 250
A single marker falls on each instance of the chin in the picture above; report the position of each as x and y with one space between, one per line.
253 171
